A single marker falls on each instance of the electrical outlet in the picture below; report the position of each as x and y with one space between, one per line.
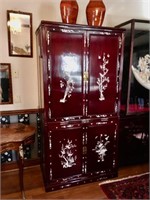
17 99
15 74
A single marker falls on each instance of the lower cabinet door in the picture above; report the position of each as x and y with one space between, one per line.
65 152
101 148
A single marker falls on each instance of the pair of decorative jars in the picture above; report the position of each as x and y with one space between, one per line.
95 12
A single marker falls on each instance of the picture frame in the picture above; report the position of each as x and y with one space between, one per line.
19 25
6 93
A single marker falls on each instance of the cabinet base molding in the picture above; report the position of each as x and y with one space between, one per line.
78 180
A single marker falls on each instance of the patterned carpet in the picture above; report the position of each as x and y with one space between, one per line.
132 187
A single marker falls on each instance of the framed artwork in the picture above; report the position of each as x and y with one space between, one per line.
19 33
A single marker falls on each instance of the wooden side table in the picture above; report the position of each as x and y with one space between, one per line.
14 137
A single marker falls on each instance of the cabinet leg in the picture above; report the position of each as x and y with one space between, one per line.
21 165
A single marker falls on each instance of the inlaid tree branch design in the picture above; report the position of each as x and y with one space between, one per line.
69 86
103 80
67 154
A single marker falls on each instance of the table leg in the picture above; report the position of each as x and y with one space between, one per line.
21 166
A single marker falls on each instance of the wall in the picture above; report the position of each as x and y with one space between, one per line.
25 86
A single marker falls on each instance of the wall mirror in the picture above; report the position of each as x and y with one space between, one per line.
6 96
19 33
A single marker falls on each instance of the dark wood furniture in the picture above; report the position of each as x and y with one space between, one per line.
79 89
134 115
14 137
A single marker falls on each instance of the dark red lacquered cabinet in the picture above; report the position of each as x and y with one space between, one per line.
79 70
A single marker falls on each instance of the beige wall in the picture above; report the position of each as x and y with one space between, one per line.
25 85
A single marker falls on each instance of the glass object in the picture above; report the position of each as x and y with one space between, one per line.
95 12
5 84
69 11
136 69
19 33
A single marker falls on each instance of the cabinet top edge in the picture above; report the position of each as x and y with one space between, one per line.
77 26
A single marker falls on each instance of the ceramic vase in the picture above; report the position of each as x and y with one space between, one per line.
69 11
95 12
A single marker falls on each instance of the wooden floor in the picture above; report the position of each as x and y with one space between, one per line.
34 188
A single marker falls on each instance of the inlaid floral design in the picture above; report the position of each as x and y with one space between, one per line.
67 154
103 79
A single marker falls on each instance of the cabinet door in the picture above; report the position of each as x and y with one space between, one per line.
103 70
101 147
65 62
65 152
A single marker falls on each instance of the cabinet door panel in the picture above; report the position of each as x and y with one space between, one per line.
101 148
103 60
65 152
66 51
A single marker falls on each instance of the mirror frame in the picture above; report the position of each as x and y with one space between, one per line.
22 52
10 101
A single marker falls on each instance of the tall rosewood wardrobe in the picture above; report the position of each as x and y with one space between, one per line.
79 69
